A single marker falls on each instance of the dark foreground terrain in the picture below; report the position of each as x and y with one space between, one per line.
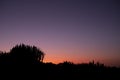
62 71
25 62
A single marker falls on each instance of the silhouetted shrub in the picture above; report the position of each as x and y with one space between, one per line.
25 54
22 54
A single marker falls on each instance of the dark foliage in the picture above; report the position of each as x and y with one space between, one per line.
24 54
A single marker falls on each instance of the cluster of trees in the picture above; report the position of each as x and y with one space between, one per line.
22 54
25 54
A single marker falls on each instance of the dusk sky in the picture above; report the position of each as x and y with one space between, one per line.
65 30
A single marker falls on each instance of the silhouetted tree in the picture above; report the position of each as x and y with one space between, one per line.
22 54
26 54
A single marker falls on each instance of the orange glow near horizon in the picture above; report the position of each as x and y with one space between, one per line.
82 56
73 30
78 59
79 55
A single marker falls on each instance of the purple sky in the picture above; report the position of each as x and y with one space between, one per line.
73 30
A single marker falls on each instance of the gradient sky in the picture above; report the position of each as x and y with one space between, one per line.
73 30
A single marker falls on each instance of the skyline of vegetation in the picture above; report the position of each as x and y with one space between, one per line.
23 51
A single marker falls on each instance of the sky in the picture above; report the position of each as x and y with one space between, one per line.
65 30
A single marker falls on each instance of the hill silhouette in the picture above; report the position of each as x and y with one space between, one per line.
22 60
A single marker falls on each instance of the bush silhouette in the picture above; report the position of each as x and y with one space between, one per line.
22 54
25 54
